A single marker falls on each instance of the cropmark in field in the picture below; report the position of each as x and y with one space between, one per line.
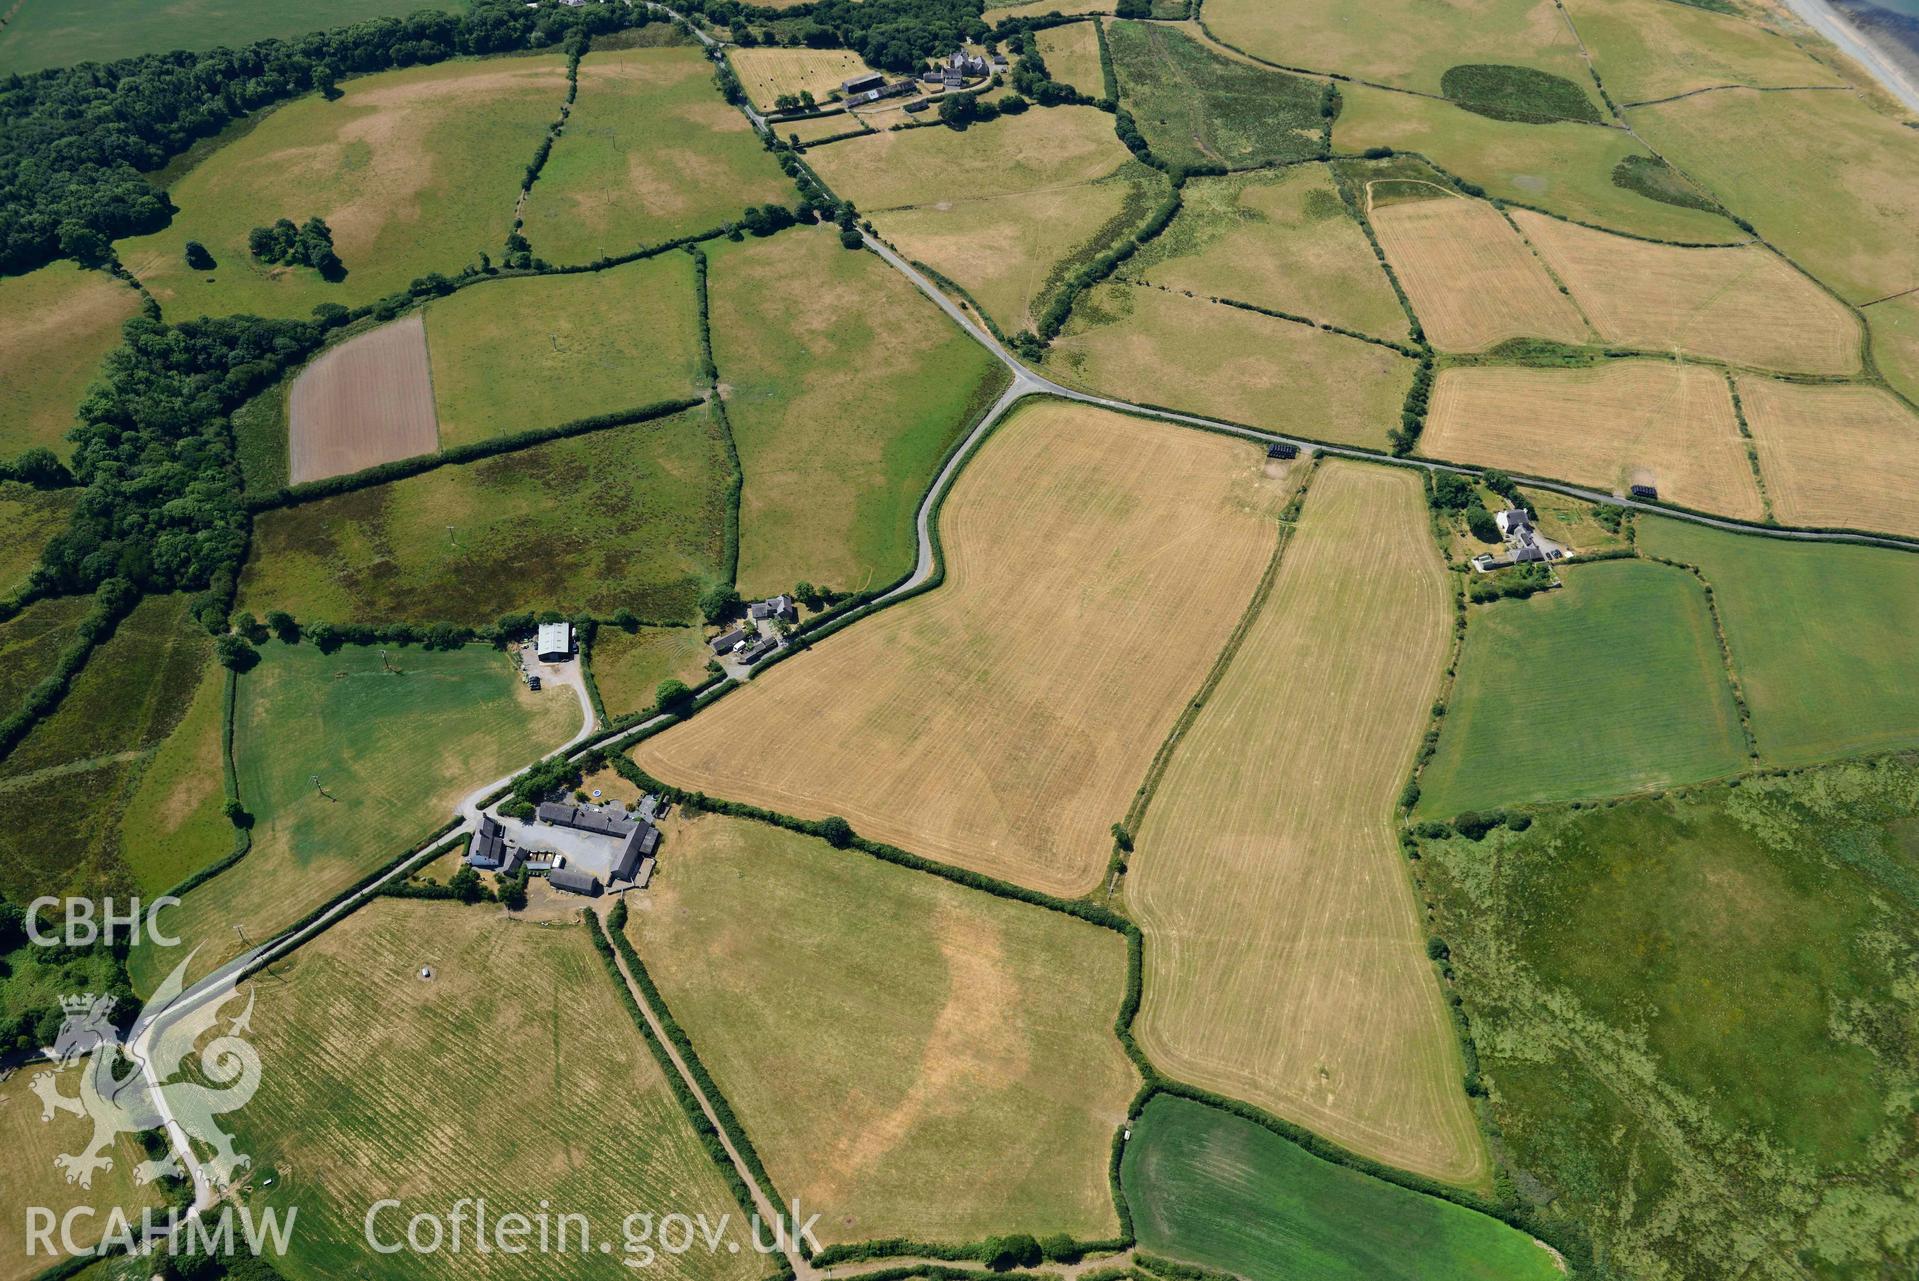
365 402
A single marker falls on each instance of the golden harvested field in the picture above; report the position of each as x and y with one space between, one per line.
888 1038
1071 54
1623 423
1740 303
1285 956
1472 279
769 71
1835 455
56 325
515 1073
1154 347
1095 564
1655 49
1037 150
365 402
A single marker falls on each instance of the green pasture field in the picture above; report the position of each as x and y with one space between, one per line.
629 666
56 325
631 517
538 351
1613 683
1821 637
173 824
60 33
31 518
1198 107
1565 168
1152 346
1696 1020
260 439
393 752
1281 240
414 170
1645 49
1215 1189
651 151
459 1081
887 1036
1825 177
31 640
1071 54
846 391
1894 325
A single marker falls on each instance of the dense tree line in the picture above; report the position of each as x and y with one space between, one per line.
895 35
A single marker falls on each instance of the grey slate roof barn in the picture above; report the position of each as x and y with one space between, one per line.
574 882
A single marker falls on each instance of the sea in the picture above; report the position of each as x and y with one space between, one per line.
1893 25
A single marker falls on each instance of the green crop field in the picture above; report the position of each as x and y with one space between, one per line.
174 823
1199 107
414 170
31 640
1215 1189
393 753
377 1083
629 666
887 1037
538 351
631 517
59 33
1821 637
31 518
1614 683
1697 1023
846 390
651 151
60 322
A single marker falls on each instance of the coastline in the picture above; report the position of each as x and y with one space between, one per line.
1892 67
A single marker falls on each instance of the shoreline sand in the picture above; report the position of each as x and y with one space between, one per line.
1863 47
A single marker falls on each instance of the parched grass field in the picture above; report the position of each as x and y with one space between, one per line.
365 402
1742 304
1820 637
629 666
414 170
56 325
887 1036
651 151
173 824
1212 1188
1155 347
1095 564
31 518
1621 423
1197 106
768 71
461 1084
1472 280
1648 49
1613 683
1894 326
828 126
1823 176
43 33
630 517
393 752
1281 240
1567 168
1285 956
1835 455
538 351
31 640
846 390
1071 54
1696 1020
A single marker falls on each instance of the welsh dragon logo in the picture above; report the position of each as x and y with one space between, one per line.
136 1084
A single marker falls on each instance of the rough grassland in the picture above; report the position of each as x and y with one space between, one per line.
1198 107
1894 326
846 390
1622 423
828 126
367 401
770 71
174 825
1741 304
1821 637
1823 176
1095 564
1404 45
31 640
39 34
415 171
1835 455
1155 347
56 325
651 151
1566 168
370 1071
1696 1020
1285 958
1212 1188
1472 279
631 517
31 518
887 1037
1614 683
1654 49
1071 54
629 666
394 754
1281 240
540 351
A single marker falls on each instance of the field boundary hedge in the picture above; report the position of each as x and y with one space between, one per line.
1325 326
710 369
111 604
1726 659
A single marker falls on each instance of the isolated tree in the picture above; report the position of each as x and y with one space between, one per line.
466 886
719 603
283 625
325 80
246 625
673 696
233 652
198 258
237 813
1482 524
838 833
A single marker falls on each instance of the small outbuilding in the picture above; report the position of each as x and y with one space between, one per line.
555 642
862 84
574 881
1281 449
729 642
1644 491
